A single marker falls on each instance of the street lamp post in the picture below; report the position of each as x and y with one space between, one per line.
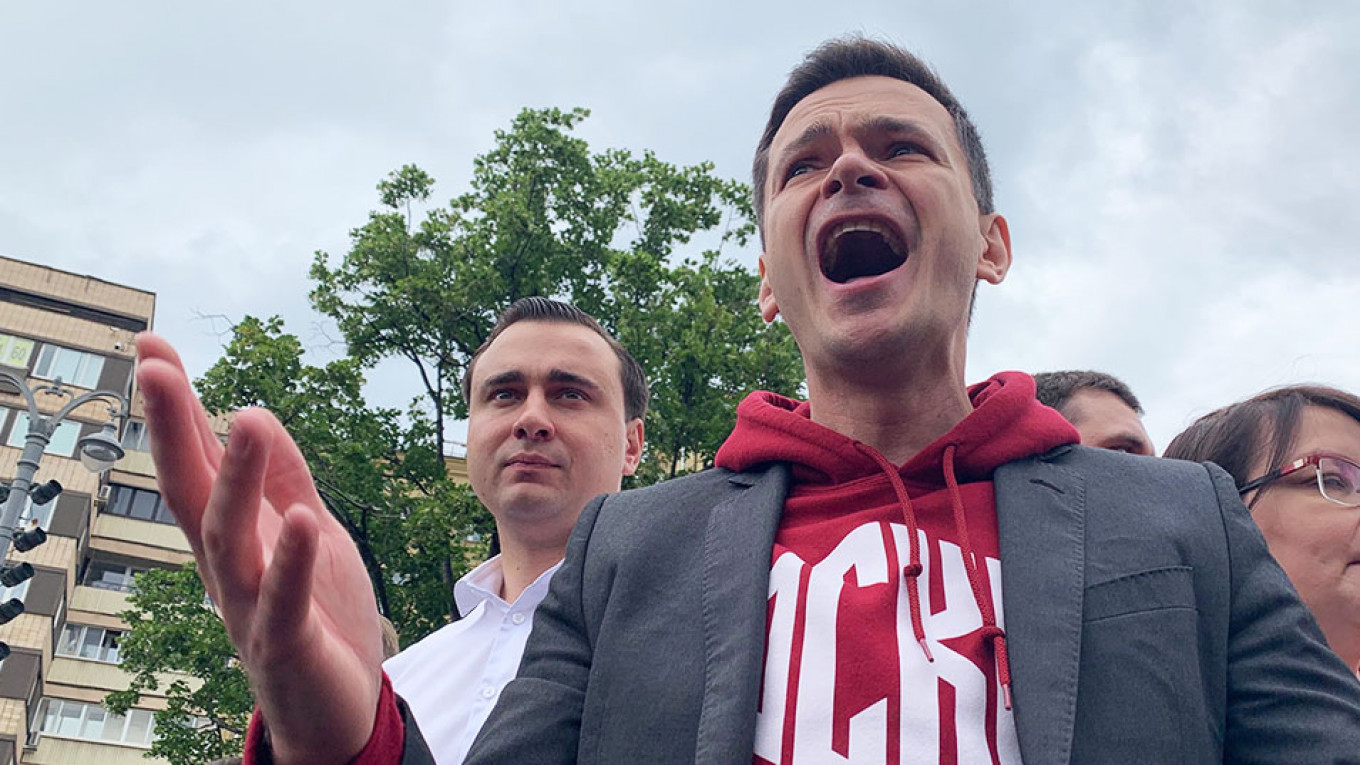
98 451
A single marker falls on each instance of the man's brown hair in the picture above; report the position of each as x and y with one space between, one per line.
1054 389
847 57
635 393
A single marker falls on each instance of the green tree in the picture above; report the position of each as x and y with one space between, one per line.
547 216
174 629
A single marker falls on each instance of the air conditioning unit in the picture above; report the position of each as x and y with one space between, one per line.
102 498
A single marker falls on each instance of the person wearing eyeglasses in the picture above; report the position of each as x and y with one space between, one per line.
1295 455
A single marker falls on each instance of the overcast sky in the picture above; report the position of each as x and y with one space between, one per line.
1181 178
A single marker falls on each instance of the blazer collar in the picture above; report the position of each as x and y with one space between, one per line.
736 580
1040 509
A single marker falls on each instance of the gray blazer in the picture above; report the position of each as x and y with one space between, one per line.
1146 624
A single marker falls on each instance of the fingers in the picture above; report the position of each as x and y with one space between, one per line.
152 346
184 475
231 543
288 481
286 588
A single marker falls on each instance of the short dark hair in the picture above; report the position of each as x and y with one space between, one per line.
635 393
856 56
1237 436
1056 388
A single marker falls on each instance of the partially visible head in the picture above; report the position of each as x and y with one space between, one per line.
1316 541
555 409
391 642
875 208
1100 406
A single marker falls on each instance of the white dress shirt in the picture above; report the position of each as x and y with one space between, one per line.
452 678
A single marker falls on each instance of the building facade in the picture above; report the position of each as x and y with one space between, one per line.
102 529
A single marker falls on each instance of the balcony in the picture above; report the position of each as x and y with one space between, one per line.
99 600
139 463
52 750
148 540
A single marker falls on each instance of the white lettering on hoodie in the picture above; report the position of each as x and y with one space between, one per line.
823 702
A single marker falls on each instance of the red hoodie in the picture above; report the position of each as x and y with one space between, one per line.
884 639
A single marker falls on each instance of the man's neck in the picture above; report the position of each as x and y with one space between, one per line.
522 563
898 414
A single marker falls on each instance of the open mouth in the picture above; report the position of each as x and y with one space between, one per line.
859 249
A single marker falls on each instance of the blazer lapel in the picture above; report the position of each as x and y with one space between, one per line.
1040 510
737 543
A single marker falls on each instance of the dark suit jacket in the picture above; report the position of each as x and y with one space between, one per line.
1146 623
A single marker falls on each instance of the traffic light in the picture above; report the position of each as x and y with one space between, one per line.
45 492
15 573
28 540
10 610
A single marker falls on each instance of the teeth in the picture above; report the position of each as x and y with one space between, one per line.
888 234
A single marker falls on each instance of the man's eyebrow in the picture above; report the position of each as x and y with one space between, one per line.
810 135
878 124
1131 439
504 378
895 126
563 377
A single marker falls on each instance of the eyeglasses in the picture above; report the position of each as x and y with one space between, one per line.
1338 479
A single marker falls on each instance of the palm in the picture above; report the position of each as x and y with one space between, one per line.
294 594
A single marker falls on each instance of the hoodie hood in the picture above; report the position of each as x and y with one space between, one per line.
1006 424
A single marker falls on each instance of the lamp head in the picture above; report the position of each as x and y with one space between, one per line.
98 451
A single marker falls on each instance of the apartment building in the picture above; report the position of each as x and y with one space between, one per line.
101 529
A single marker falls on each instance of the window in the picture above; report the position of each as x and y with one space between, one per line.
73 367
135 438
87 642
61 444
17 591
142 504
75 719
110 576
15 351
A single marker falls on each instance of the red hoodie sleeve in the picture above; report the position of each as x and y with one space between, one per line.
385 745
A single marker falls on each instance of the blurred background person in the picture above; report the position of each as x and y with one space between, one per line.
1100 406
1295 455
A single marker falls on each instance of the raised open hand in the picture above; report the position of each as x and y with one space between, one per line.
292 589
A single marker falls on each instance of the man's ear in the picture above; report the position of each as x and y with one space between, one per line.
633 439
995 261
765 298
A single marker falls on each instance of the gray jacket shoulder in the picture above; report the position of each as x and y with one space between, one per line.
680 506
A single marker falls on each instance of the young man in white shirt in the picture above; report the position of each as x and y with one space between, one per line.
555 418
555 409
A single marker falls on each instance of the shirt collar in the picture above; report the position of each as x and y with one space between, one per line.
481 585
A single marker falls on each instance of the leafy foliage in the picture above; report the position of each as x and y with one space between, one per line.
174 629
547 216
